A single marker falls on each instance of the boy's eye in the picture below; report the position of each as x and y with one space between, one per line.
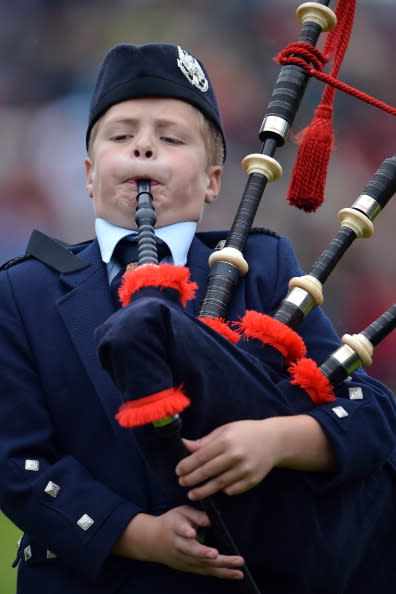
121 137
171 140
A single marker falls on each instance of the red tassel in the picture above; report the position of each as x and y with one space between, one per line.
151 275
308 181
307 375
222 327
152 408
272 332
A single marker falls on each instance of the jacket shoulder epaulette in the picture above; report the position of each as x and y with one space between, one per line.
217 239
50 251
266 231
13 261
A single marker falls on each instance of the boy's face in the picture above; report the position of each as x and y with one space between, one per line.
152 138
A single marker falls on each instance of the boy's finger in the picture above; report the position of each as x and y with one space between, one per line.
222 482
217 468
201 455
198 517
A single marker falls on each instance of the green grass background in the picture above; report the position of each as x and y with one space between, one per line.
9 535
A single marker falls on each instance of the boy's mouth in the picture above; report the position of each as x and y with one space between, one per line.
134 180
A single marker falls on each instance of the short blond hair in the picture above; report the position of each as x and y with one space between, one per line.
213 142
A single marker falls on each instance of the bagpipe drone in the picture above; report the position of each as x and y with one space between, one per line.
184 374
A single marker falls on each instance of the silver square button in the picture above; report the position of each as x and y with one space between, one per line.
52 489
32 465
355 393
340 411
85 522
27 553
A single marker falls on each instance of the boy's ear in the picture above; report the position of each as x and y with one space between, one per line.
88 175
214 183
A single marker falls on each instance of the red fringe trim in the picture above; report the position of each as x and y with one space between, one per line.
152 408
307 375
274 333
222 327
162 276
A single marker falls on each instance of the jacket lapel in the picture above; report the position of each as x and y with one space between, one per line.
85 305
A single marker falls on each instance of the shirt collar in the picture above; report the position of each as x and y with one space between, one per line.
178 238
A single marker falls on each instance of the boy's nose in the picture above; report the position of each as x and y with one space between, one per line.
143 150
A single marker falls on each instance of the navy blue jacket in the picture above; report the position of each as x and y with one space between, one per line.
72 479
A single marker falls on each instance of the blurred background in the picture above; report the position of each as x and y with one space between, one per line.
50 54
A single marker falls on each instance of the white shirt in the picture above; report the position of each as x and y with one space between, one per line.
178 238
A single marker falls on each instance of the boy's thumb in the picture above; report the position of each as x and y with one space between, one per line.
192 445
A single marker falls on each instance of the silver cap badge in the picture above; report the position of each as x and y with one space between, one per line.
192 70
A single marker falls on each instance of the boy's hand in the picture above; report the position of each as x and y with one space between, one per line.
233 458
171 539
236 457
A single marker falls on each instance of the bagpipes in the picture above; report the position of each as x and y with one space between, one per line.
181 373
147 344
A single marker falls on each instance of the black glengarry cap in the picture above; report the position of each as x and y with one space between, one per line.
153 70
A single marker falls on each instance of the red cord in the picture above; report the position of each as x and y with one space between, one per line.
313 55
308 180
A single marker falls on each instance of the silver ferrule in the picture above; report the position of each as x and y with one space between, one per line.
368 206
347 357
275 125
301 299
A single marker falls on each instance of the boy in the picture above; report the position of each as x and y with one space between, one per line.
95 517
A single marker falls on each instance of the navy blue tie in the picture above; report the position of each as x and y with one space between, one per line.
126 253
